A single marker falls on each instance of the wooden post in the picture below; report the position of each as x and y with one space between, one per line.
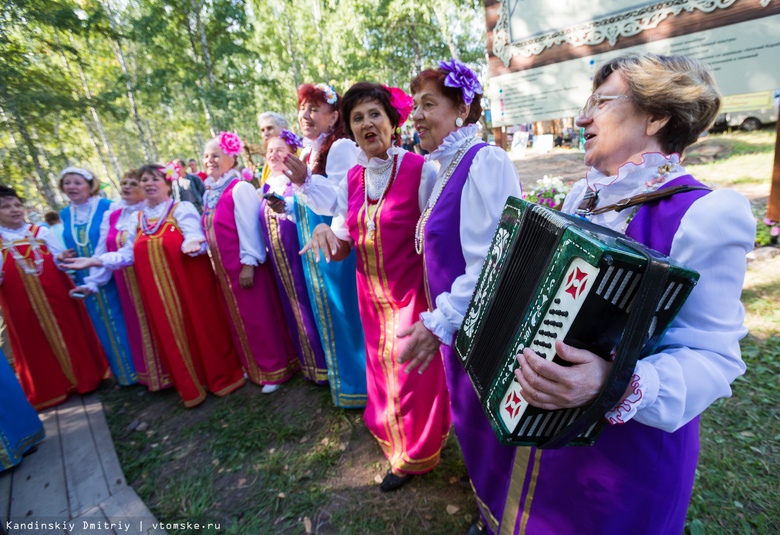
773 208
499 134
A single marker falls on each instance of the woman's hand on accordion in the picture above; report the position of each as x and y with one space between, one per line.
421 348
548 385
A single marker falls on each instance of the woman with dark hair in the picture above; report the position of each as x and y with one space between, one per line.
453 235
55 348
379 203
81 221
167 248
326 158
113 232
231 223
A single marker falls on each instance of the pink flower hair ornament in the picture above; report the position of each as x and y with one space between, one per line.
230 143
460 76
402 102
291 139
172 171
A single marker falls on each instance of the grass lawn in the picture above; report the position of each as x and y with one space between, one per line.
292 463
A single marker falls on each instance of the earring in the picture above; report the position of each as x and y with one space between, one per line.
458 122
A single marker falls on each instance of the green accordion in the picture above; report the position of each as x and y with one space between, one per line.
550 276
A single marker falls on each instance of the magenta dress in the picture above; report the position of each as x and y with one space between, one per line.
408 414
256 317
146 355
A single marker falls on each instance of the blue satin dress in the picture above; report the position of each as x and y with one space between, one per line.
20 427
332 290
104 307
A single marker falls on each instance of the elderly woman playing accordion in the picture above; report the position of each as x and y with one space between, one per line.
638 477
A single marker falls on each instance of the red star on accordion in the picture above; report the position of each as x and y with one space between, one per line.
576 283
513 404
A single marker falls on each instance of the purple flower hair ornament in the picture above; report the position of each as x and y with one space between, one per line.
230 143
462 77
291 139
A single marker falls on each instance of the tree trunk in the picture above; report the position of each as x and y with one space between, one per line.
155 153
120 56
199 82
290 49
318 23
96 118
96 147
441 17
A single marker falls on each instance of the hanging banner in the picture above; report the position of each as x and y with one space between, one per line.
542 55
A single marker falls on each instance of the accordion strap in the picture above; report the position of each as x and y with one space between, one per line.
635 336
643 198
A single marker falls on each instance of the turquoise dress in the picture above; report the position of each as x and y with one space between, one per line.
20 427
104 307
332 289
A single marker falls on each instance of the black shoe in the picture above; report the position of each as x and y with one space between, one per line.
394 482
477 528
30 451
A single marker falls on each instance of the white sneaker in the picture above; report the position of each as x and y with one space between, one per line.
268 389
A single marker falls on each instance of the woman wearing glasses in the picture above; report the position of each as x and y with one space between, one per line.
645 111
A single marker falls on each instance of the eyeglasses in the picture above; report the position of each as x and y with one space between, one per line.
594 101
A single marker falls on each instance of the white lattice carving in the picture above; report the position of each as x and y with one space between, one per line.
608 29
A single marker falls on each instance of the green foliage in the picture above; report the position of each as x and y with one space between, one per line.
74 73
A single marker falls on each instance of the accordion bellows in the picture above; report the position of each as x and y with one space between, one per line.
550 276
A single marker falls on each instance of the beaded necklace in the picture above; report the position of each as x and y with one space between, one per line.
73 232
213 194
145 228
386 183
444 177
35 249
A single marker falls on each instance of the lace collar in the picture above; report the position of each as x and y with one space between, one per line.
13 234
632 175
376 163
229 174
157 211
277 182
81 213
450 144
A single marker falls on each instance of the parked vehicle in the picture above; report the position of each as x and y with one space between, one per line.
738 113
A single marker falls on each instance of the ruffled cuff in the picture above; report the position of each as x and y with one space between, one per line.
91 285
249 260
642 392
303 188
437 323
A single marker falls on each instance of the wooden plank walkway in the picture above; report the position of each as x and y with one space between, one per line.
74 483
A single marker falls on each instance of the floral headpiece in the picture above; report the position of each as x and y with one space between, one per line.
230 143
291 139
172 171
330 94
77 171
462 77
401 102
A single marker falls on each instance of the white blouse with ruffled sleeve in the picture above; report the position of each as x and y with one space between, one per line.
699 356
491 180
320 193
52 242
246 210
98 276
187 218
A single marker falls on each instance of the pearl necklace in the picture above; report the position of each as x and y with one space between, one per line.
145 222
380 185
442 179
73 232
22 261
